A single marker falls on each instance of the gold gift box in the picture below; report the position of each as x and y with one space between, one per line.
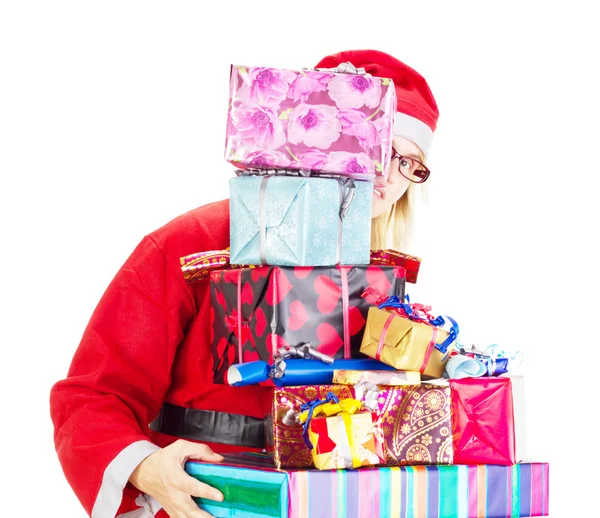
405 343
357 438
389 378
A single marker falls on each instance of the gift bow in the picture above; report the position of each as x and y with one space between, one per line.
303 350
473 363
420 313
368 393
514 359
374 296
330 406
344 68
467 366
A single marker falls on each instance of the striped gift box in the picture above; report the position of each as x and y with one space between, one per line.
254 488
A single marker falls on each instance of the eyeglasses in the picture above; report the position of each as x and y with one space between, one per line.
411 168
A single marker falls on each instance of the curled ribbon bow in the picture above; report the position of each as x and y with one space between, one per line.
307 411
515 359
344 68
303 350
420 313
474 363
368 393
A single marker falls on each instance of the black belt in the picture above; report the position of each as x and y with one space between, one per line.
210 426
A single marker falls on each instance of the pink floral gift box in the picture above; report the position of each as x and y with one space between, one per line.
315 121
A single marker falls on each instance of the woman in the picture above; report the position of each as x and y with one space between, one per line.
147 345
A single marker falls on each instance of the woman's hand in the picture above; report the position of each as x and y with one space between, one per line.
161 475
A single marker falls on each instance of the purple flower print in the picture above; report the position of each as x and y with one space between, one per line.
352 164
257 127
315 125
312 160
383 126
355 91
265 86
357 124
262 159
307 83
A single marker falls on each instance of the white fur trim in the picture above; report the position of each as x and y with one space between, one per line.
414 130
116 475
148 508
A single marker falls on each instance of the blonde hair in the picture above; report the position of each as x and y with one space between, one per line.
394 228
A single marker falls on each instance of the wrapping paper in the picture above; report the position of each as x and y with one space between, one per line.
405 343
346 441
251 487
197 267
273 306
296 221
415 420
488 420
394 258
297 372
461 366
310 120
377 377
393 492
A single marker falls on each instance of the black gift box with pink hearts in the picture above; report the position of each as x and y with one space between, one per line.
272 306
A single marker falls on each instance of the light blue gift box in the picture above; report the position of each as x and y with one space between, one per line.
300 221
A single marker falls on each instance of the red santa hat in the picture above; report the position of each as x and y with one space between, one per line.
417 111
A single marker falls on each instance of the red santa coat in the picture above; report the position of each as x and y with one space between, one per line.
148 341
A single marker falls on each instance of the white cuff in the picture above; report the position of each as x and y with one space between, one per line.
116 475
148 508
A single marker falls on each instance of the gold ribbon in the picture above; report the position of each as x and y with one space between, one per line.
198 267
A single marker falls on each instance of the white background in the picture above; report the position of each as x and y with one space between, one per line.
112 122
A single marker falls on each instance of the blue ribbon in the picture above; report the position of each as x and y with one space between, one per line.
495 366
310 406
439 321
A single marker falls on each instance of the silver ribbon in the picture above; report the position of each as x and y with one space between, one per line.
344 68
474 351
368 393
347 189
273 172
262 219
291 418
303 350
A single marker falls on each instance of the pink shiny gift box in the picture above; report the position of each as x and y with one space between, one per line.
488 420
317 121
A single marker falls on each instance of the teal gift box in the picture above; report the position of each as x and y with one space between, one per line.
253 488
300 221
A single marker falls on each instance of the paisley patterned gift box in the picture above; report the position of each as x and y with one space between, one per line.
297 221
309 120
415 420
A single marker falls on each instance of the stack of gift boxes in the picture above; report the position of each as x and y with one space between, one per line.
376 407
